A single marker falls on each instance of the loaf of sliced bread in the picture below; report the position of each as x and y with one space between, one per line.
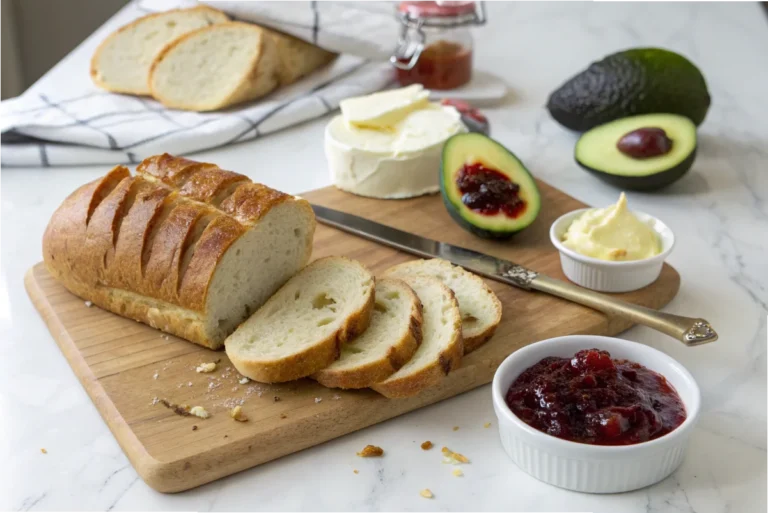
392 337
298 58
302 328
215 67
441 346
479 306
122 61
183 246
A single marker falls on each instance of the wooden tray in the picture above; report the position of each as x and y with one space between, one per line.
124 365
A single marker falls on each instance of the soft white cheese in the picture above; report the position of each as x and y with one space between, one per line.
382 111
400 162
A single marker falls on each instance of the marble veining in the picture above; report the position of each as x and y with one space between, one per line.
719 213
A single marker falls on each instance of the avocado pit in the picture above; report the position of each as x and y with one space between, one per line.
488 191
645 143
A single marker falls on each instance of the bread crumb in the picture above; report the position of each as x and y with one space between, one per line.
487 425
194 428
283 416
277 398
199 411
155 375
155 400
206 367
318 400
455 428
166 337
426 445
89 304
237 414
426 493
355 471
189 384
371 451
43 451
453 457
457 472
234 389
336 397
243 381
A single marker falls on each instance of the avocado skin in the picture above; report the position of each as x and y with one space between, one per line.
631 82
645 183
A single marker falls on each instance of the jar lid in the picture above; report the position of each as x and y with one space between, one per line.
439 9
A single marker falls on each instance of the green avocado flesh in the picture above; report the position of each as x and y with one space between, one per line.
597 152
628 83
473 149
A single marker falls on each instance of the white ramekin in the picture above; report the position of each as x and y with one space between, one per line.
585 467
604 275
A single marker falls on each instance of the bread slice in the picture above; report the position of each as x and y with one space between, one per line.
122 61
389 342
301 329
441 346
479 306
183 246
215 67
298 58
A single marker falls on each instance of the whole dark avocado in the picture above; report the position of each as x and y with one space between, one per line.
629 83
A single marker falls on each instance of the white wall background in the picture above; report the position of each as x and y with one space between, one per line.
36 34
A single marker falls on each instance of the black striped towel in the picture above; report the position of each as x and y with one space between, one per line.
63 119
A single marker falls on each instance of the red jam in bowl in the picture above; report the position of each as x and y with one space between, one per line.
594 399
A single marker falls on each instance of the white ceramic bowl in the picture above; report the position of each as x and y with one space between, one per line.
606 276
585 467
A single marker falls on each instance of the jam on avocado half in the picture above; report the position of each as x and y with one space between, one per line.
486 188
639 152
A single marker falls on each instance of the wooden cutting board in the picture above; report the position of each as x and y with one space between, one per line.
124 365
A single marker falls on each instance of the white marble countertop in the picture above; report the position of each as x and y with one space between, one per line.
719 213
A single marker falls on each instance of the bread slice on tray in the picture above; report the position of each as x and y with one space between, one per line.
215 67
479 306
184 246
122 61
302 328
441 346
298 58
392 337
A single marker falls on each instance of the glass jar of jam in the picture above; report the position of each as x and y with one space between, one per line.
435 46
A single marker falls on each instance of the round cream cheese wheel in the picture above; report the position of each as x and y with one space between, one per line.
401 162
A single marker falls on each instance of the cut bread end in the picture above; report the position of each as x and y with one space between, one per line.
390 341
301 329
215 67
441 347
480 308
122 61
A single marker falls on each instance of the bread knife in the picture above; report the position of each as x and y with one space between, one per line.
689 331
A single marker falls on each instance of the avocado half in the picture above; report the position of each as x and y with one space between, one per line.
473 149
631 82
597 152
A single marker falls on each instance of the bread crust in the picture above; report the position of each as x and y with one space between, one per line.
316 357
448 360
94 72
142 247
258 79
478 339
399 353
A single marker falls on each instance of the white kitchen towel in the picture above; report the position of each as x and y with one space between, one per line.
64 120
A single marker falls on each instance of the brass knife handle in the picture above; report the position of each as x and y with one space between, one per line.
689 331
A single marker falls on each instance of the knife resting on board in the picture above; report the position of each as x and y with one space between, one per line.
690 331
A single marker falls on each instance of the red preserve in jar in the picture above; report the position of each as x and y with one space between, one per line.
435 47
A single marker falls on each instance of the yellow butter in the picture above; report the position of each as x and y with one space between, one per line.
384 110
612 233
